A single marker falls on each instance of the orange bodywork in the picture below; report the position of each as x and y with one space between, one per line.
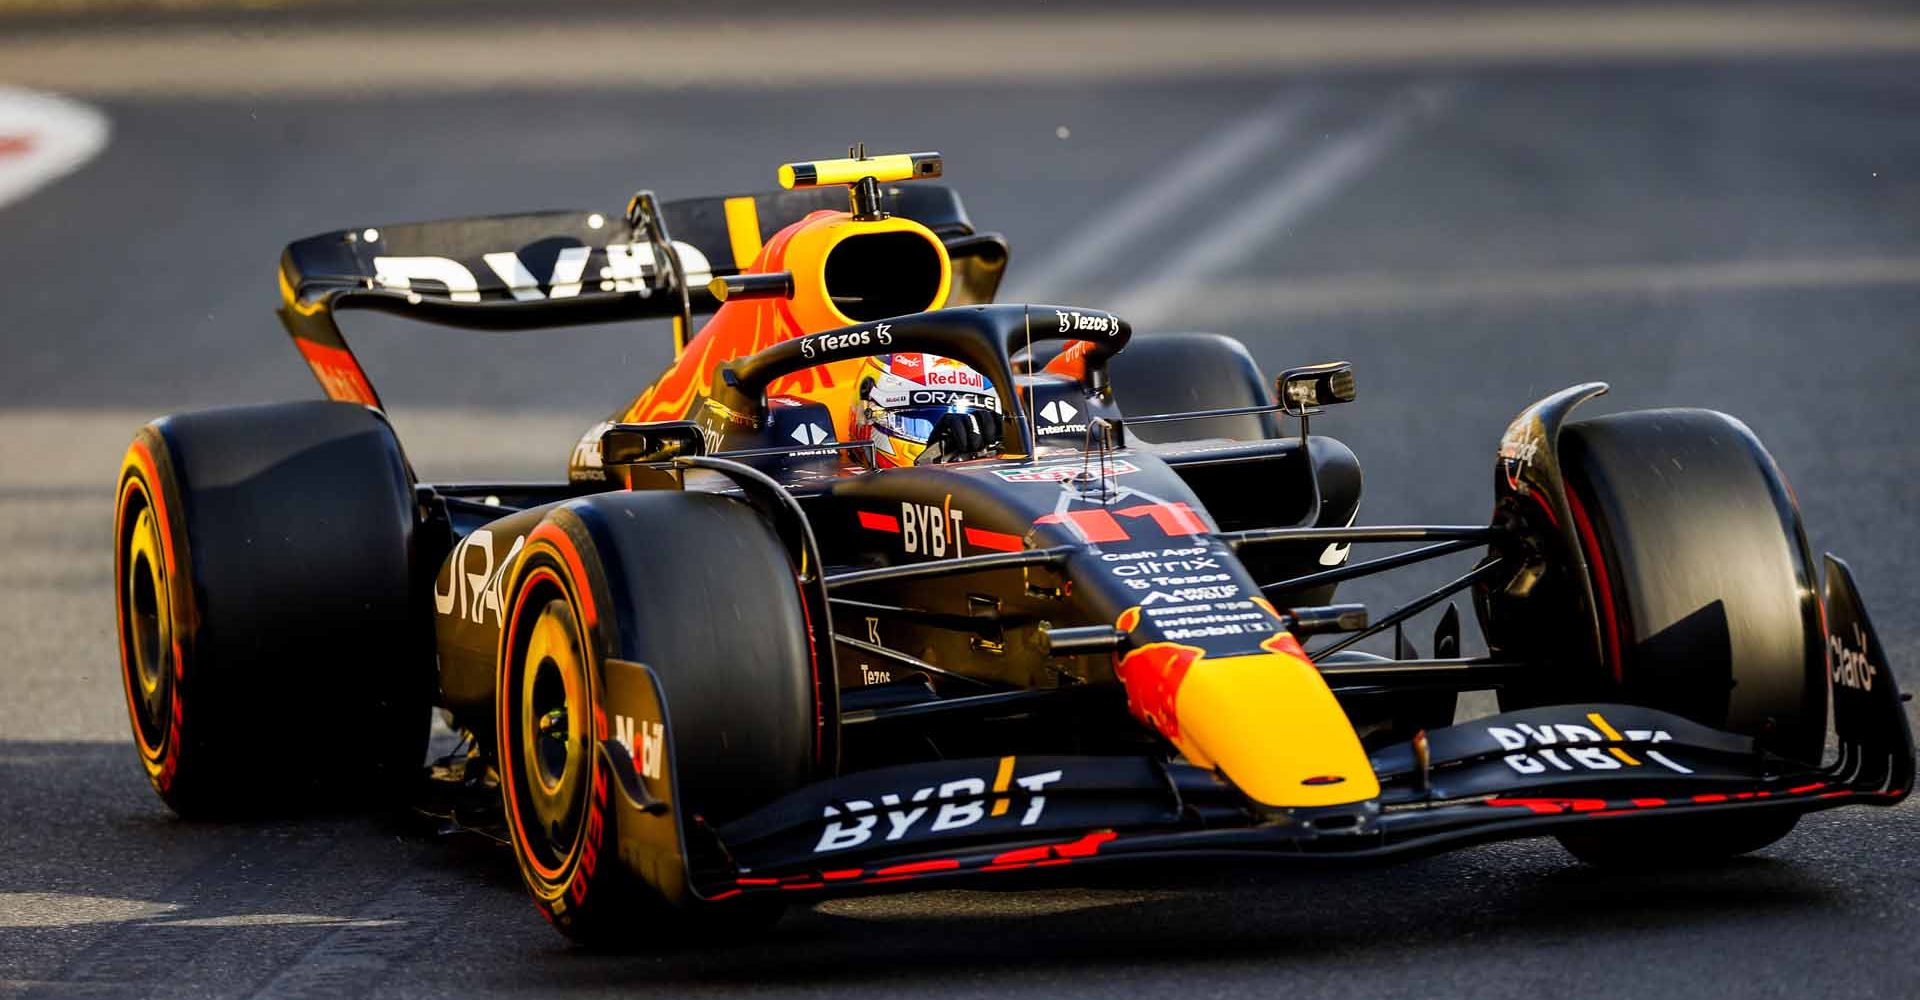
743 326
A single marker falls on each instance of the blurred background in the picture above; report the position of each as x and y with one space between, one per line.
1707 204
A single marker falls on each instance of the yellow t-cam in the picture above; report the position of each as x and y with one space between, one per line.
884 169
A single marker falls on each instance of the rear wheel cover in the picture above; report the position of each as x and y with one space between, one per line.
148 624
147 602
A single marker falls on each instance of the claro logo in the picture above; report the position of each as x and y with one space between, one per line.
1851 668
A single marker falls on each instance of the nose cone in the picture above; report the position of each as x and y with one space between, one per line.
1267 721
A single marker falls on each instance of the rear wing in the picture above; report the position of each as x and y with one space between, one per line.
549 269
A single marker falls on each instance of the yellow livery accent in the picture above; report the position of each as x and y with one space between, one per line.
1001 781
1613 734
1271 725
884 169
743 230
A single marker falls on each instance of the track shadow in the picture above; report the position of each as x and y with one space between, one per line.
110 895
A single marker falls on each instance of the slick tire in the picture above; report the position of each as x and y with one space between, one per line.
1707 600
270 649
696 587
1177 372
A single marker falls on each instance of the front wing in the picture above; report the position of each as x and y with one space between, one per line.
1518 774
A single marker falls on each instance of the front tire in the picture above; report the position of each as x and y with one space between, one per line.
697 588
1707 603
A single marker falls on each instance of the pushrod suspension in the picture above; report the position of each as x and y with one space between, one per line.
1366 534
1371 566
1415 606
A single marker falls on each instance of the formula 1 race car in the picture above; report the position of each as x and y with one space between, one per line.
733 661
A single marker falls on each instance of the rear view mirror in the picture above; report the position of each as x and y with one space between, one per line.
1309 386
638 444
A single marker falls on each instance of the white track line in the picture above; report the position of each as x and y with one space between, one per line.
1349 294
1214 160
43 137
1260 217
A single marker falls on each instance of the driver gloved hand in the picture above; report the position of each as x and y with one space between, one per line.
962 435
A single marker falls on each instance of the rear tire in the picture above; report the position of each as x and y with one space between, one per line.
263 588
1707 603
697 588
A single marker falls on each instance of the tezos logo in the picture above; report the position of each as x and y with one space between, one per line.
1078 322
882 334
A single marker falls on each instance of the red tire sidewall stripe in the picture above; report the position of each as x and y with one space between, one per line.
509 675
569 574
1612 640
145 479
820 720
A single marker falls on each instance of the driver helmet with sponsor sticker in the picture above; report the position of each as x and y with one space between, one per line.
918 409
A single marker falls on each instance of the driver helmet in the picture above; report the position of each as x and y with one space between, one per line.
922 408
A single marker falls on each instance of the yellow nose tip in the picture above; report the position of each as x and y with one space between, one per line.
1266 721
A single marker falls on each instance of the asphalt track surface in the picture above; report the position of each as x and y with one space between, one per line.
1738 234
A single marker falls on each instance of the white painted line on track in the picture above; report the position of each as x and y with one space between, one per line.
1214 160
42 138
1352 294
1263 214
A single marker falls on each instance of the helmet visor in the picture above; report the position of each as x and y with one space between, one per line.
914 423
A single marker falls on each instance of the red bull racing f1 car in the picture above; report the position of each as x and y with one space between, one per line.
881 585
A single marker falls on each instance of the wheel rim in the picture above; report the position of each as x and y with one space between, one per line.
148 625
551 735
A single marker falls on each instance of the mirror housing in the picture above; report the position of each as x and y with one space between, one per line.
1301 390
640 444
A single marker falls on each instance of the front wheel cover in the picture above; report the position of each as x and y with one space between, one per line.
554 782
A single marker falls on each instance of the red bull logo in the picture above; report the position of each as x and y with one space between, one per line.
1152 675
